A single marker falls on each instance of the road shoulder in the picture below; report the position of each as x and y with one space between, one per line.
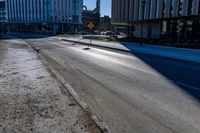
31 99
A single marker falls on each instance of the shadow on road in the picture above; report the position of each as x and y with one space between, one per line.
86 48
186 75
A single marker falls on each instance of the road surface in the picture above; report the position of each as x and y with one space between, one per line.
131 93
31 99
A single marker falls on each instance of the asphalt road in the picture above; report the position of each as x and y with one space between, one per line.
131 93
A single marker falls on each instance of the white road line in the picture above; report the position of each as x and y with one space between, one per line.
189 86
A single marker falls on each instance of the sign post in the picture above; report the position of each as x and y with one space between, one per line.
90 26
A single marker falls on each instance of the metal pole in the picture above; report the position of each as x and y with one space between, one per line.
90 39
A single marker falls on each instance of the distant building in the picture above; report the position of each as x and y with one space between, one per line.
91 16
105 23
39 15
171 20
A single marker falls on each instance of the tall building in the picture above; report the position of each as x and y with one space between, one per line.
91 16
105 23
98 6
57 15
158 19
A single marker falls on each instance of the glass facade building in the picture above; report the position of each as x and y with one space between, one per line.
57 16
65 11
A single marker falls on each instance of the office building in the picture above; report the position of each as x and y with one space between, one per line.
158 19
91 16
38 15
105 23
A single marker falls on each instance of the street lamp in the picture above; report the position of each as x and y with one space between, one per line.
143 6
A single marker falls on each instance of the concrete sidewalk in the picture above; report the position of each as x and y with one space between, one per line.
183 54
31 99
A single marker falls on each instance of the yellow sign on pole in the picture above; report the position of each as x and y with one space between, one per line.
90 26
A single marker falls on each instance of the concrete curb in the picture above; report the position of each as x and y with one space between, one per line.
127 51
97 120
97 46
94 117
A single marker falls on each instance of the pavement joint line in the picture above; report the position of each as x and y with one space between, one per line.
189 86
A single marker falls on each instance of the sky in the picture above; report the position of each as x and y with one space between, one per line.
105 6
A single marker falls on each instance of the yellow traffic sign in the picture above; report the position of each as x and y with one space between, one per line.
90 26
